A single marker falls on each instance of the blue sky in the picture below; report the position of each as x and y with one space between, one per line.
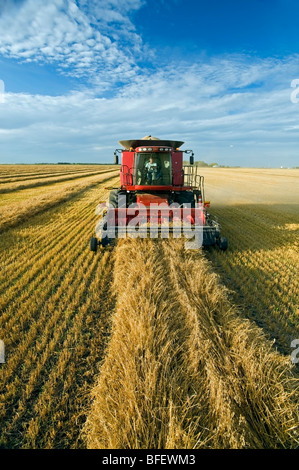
79 75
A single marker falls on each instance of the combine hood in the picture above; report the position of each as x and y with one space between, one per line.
127 144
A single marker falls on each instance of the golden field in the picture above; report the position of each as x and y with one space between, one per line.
145 344
259 212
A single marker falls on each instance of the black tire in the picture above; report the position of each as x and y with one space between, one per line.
223 243
113 197
93 244
105 241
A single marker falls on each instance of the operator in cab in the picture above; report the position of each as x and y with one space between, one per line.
153 171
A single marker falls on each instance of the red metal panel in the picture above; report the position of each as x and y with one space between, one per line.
177 165
126 171
157 188
147 199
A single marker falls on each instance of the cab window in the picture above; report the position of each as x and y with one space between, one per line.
153 169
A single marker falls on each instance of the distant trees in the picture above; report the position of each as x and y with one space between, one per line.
201 163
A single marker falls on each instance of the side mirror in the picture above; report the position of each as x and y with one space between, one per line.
191 159
115 158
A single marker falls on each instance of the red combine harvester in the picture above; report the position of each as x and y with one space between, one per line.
158 195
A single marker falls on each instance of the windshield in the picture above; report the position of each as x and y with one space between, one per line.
153 169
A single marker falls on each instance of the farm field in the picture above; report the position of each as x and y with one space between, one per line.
193 354
259 212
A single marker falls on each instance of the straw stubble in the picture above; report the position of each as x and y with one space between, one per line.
183 369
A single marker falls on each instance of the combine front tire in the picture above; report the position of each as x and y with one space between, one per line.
113 198
222 243
93 244
105 242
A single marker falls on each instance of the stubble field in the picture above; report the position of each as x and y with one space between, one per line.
145 344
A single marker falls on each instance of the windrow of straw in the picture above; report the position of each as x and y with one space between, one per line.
183 369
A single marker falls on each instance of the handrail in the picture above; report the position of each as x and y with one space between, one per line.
189 175
127 175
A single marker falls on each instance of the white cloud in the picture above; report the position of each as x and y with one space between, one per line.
194 104
96 38
218 106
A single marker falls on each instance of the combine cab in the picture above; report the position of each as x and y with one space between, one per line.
157 196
